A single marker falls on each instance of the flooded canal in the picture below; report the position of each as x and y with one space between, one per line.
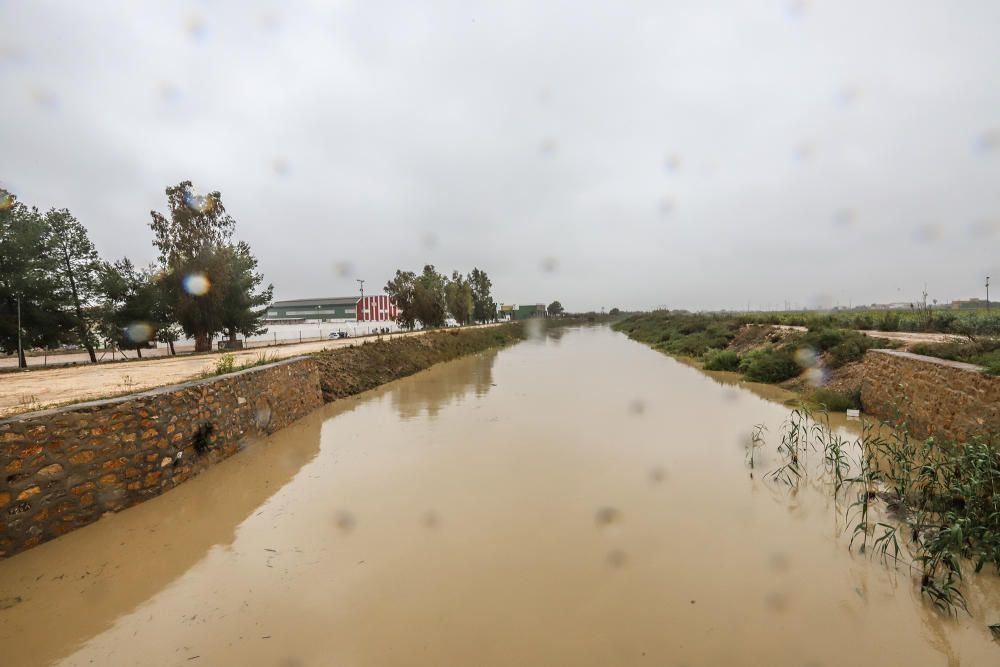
577 500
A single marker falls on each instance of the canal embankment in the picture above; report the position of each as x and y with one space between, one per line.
835 369
65 467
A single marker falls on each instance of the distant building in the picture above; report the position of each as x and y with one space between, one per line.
374 308
522 312
968 303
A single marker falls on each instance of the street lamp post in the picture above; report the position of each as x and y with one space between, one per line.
21 361
987 294
362 283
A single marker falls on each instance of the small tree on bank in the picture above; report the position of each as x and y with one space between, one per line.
77 269
555 308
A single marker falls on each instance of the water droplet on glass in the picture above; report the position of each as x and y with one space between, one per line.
139 332
672 163
430 519
989 140
776 602
550 264
429 239
636 407
45 98
343 269
195 27
928 233
281 166
606 516
345 521
658 475
199 203
196 284
6 201
848 95
984 229
844 218
806 357
778 562
798 8
617 558
548 147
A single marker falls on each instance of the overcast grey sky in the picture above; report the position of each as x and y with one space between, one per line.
631 154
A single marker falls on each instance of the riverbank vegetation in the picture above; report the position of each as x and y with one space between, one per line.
351 370
801 360
983 352
917 318
928 507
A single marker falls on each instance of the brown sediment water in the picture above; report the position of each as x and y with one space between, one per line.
574 500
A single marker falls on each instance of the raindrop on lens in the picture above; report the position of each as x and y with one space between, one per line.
550 264
806 357
139 332
344 269
606 516
198 203
196 284
345 521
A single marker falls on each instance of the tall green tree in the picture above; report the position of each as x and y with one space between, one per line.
193 223
77 269
27 276
555 308
129 308
401 290
484 308
211 282
429 297
459 298
243 303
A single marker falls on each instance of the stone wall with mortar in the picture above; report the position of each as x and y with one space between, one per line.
63 468
947 399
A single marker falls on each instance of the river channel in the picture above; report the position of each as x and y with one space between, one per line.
577 499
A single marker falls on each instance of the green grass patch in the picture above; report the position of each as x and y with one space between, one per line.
771 366
721 360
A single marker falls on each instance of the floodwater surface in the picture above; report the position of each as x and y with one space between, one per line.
574 500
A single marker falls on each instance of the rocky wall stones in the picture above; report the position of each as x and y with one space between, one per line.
64 468
947 399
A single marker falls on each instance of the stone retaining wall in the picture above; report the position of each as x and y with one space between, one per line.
936 397
63 468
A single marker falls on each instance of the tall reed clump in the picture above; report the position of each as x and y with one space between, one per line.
929 505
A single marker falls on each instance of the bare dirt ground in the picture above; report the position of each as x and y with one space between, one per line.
37 389
907 338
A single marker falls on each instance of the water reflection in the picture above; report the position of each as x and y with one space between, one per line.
441 386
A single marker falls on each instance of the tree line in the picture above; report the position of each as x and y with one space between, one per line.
55 288
430 297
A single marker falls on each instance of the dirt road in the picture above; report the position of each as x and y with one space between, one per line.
34 390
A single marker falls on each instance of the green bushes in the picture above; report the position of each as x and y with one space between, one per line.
721 360
681 334
841 345
985 352
770 366
835 401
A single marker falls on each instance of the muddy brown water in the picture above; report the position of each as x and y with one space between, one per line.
576 500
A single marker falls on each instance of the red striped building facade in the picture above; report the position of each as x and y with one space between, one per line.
376 308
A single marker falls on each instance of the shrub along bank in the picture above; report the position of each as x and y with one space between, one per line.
758 352
352 370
